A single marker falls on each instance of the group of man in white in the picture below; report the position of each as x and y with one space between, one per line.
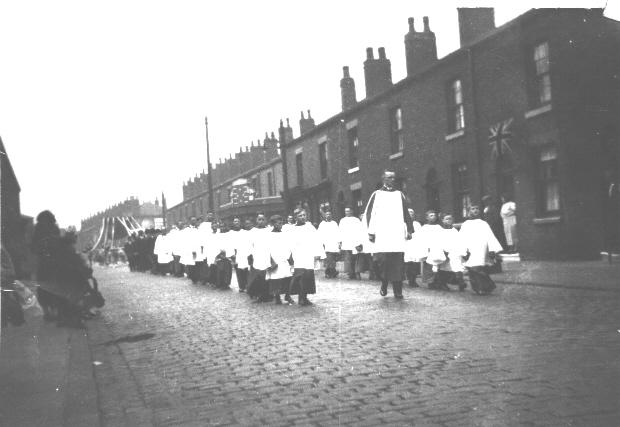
272 258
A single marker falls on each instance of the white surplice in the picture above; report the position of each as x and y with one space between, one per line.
280 252
162 249
386 221
329 235
305 245
350 229
259 247
477 237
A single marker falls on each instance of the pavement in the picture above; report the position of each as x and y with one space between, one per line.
541 350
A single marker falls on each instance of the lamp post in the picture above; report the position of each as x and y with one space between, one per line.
209 171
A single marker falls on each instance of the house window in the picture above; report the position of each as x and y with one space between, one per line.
432 190
358 203
323 159
549 189
354 143
300 169
270 183
397 143
462 202
456 111
543 76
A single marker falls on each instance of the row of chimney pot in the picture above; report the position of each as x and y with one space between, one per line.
420 53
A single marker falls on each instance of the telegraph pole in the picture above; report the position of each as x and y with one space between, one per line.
209 179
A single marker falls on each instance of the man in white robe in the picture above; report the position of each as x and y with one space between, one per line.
350 229
306 247
240 238
163 253
389 227
330 238
481 246
258 288
280 271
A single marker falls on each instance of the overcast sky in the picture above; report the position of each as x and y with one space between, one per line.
101 100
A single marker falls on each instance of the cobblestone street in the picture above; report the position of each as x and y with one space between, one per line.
526 355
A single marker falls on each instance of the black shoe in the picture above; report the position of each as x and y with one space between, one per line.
288 299
305 301
399 296
383 290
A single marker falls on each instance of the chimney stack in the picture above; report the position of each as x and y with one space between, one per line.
305 124
420 48
377 73
347 90
474 22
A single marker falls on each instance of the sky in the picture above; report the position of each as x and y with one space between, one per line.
103 100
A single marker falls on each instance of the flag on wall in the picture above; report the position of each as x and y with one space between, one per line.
500 134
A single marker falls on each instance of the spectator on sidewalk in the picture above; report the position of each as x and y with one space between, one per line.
491 214
509 219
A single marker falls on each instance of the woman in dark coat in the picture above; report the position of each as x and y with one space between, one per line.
45 245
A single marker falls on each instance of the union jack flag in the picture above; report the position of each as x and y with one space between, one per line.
500 135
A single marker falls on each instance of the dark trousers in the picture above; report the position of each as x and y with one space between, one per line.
163 269
412 270
223 271
480 280
330 264
242 277
350 261
177 267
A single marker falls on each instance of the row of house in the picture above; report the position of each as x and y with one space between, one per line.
527 111
147 215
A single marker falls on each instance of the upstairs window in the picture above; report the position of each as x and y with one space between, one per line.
397 143
354 143
456 111
542 68
323 160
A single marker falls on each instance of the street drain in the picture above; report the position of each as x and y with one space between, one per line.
130 338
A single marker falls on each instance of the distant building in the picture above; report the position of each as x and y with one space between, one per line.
16 232
243 185
147 214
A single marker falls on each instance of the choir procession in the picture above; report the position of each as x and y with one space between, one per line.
275 258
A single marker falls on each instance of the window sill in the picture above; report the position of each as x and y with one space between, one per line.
537 111
547 220
457 134
355 169
396 155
